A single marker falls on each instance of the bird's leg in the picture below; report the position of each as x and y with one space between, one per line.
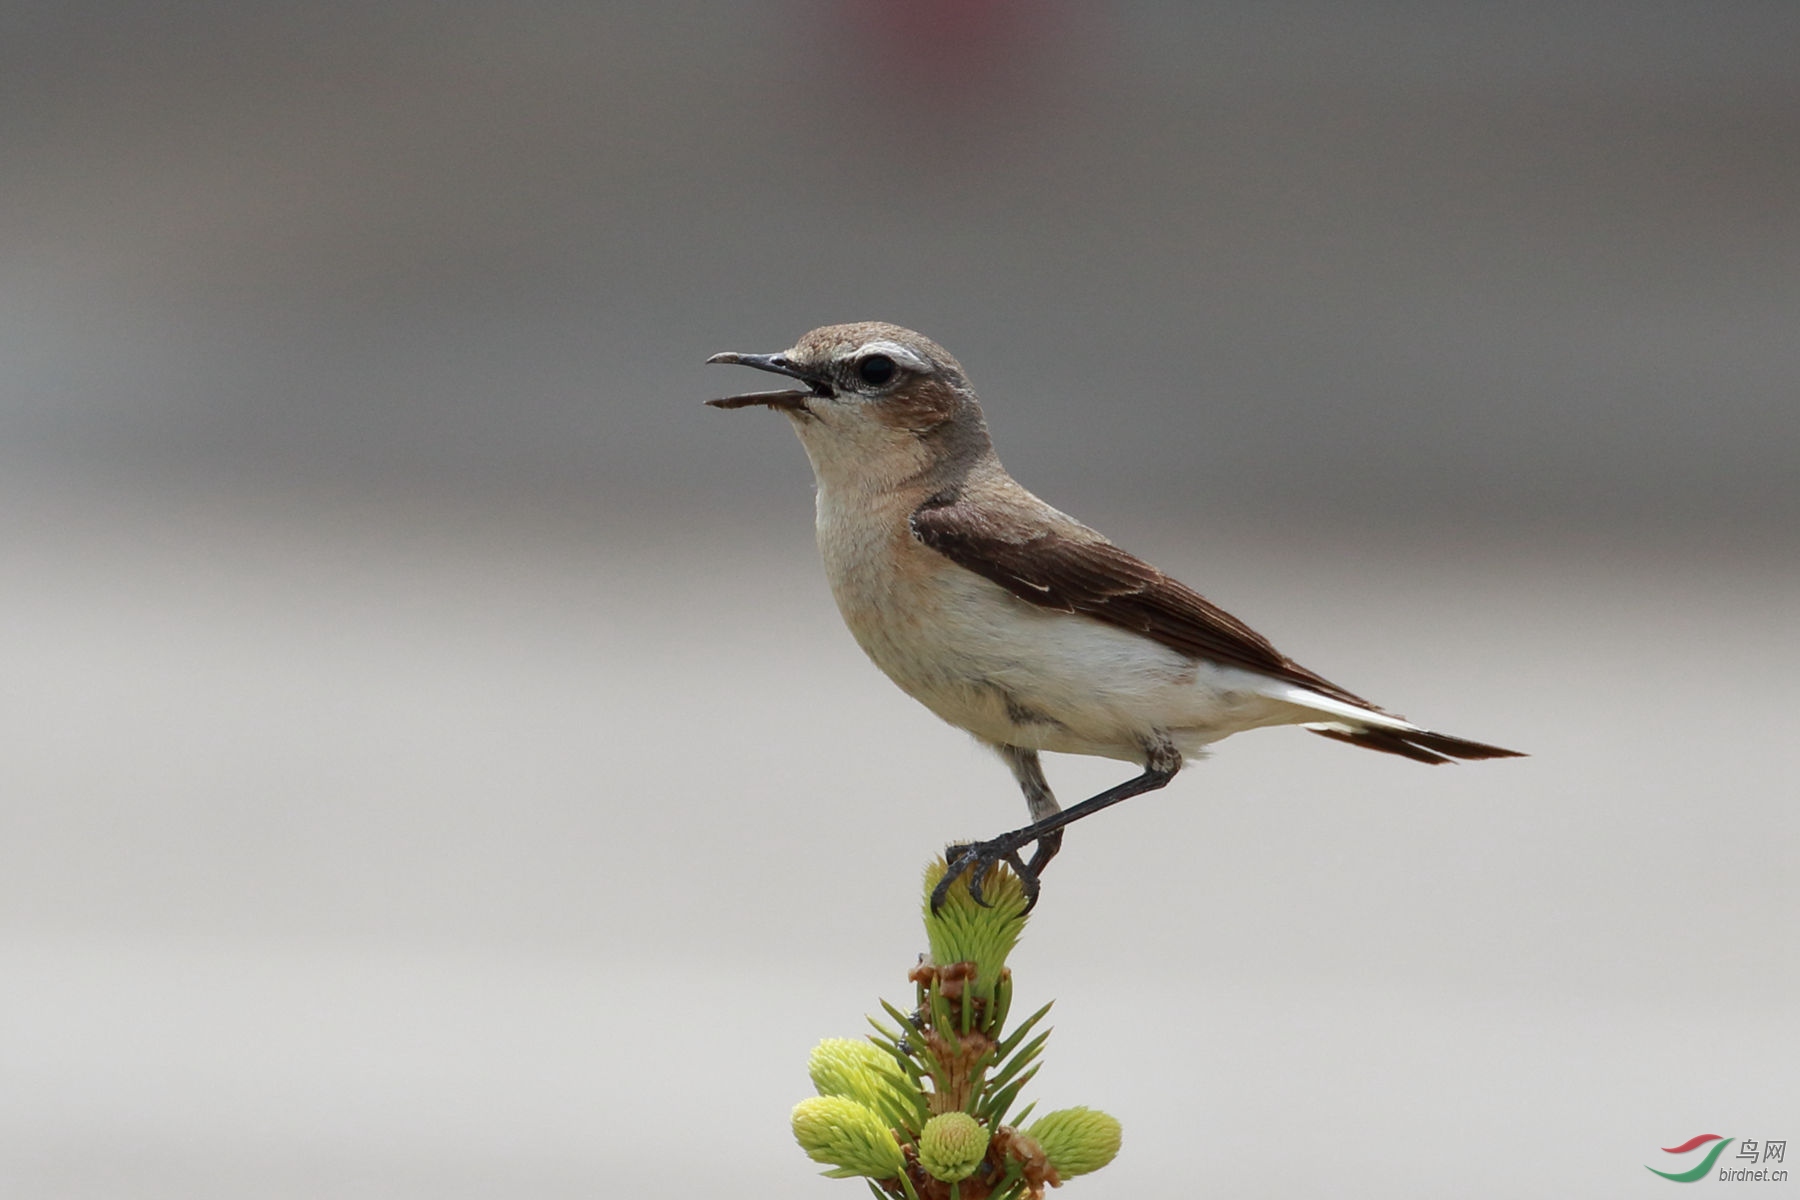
1041 801
1161 763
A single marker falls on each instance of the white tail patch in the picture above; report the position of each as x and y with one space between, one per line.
1354 716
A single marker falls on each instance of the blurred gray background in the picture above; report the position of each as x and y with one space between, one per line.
432 763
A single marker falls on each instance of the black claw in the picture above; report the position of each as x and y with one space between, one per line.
978 858
958 858
1027 877
1161 763
1029 880
978 872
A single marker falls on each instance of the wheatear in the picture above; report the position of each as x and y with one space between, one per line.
1012 620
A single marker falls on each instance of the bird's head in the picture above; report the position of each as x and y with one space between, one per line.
875 398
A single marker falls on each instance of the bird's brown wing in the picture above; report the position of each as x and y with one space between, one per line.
1077 571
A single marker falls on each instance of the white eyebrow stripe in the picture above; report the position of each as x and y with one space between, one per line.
893 350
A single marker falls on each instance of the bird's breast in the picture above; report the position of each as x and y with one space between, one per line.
959 644
908 608
885 585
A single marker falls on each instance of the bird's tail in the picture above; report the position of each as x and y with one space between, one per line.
1362 724
1420 745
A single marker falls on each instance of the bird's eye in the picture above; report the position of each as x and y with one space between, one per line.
877 370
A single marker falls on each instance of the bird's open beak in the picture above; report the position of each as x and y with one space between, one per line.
788 401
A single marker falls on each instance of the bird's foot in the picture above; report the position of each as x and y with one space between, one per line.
978 858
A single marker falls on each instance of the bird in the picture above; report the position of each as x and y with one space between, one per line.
1012 620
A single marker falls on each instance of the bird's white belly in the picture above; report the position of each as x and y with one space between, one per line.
1015 674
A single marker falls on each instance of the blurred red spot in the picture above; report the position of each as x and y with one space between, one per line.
954 44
